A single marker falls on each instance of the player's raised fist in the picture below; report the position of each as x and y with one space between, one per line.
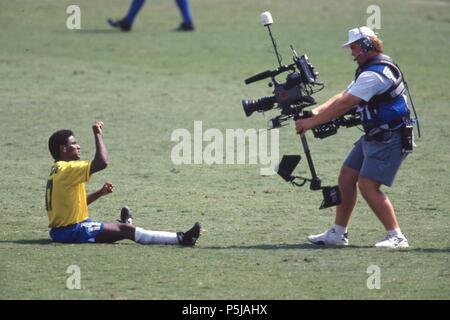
97 127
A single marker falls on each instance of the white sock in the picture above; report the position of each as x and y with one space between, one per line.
339 229
143 236
395 232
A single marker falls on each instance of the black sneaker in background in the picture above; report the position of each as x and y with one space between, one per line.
122 24
185 27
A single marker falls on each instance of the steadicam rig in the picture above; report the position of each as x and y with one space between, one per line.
291 97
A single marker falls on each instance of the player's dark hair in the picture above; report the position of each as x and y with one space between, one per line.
59 138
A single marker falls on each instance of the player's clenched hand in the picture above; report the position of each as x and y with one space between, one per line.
107 188
97 127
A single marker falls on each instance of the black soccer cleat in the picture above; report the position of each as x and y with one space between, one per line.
190 237
122 24
126 216
185 27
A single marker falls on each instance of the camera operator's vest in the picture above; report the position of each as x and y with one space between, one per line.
389 109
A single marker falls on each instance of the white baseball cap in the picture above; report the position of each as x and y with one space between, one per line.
358 33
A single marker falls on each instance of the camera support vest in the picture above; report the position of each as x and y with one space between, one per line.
385 110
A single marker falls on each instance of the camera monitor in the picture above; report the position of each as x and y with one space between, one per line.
287 166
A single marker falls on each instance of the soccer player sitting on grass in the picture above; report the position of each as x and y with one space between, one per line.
67 202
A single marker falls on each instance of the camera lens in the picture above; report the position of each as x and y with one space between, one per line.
263 104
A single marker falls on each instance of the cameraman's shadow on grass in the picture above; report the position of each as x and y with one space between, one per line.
283 246
309 246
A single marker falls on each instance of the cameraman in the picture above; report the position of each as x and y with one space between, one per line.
378 93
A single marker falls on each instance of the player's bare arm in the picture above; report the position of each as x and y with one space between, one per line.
107 188
100 161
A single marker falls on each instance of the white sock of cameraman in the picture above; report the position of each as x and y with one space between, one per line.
340 229
143 236
395 232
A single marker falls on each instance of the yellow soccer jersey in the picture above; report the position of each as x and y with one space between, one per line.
65 196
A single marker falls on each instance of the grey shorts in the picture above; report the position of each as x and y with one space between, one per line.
377 160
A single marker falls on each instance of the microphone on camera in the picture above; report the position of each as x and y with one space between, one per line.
259 76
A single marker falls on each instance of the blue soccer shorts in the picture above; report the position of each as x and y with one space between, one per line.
83 232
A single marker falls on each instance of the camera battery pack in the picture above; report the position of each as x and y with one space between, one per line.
407 138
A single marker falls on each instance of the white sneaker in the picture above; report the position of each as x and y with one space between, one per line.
393 242
329 238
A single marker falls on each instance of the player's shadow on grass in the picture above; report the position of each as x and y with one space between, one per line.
29 241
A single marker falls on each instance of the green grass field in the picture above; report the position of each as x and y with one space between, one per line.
147 83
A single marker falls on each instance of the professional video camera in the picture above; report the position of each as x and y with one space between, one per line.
295 92
291 97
